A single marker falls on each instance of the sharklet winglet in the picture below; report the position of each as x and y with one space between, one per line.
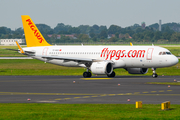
20 48
131 44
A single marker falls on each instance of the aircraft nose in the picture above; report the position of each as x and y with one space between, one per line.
174 60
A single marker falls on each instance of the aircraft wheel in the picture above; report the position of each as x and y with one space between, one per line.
112 74
154 75
87 74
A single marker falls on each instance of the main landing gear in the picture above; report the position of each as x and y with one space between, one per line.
87 74
154 75
112 74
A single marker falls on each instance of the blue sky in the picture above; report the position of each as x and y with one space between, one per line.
89 12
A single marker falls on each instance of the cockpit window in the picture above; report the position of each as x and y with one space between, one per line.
164 53
168 53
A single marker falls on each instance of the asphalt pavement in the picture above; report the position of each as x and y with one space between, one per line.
98 89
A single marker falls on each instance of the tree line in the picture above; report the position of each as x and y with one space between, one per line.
84 33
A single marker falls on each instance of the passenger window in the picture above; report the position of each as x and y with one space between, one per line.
160 53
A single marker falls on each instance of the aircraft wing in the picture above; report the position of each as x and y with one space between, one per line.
68 58
30 53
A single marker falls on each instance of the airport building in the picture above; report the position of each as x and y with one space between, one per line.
11 41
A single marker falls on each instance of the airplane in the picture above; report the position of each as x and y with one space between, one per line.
99 60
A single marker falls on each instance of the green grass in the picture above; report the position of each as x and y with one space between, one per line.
174 50
36 67
10 53
164 83
32 111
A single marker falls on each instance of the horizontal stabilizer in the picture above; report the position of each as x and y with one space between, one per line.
10 49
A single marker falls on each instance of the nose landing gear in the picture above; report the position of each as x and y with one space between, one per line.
154 75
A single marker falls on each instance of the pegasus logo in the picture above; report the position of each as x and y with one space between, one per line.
36 33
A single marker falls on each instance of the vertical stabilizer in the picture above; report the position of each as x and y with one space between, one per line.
32 34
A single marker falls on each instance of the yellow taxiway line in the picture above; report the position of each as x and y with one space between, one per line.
86 95
24 93
95 78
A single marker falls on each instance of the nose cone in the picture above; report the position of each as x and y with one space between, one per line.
174 60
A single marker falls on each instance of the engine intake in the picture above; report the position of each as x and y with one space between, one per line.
101 68
137 70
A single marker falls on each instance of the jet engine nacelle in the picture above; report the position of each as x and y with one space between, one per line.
137 70
101 68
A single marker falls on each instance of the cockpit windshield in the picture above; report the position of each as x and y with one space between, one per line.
164 53
168 53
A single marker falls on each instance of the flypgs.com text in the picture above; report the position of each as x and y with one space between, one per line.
117 54
36 33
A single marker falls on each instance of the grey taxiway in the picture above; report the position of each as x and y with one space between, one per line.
98 89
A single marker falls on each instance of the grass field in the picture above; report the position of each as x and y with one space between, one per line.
36 67
9 53
174 50
33 111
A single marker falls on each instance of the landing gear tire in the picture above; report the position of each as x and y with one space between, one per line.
154 75
113 74
87 74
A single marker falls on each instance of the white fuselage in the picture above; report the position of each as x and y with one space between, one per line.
121 56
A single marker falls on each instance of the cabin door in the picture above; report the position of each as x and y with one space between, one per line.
149 53
45 51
